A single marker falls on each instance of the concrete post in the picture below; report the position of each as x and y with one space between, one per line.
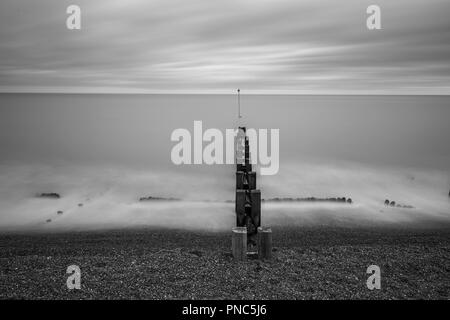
265 243
239 243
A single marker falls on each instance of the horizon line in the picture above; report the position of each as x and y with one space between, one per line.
228 92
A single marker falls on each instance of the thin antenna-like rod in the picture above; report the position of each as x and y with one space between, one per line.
239 103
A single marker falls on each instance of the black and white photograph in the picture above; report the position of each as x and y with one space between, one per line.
242 151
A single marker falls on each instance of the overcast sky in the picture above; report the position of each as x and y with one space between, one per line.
215 46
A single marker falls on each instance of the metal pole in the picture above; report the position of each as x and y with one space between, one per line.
239 103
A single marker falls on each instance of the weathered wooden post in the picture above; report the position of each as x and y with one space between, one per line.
247 203
265 243
252 180
255 197
240 208
239 243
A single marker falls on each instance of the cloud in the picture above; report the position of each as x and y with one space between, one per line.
216 46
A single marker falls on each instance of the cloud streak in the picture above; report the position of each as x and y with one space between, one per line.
216 46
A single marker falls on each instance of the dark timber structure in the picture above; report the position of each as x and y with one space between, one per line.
248 198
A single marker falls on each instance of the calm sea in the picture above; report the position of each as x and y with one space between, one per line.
117 147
